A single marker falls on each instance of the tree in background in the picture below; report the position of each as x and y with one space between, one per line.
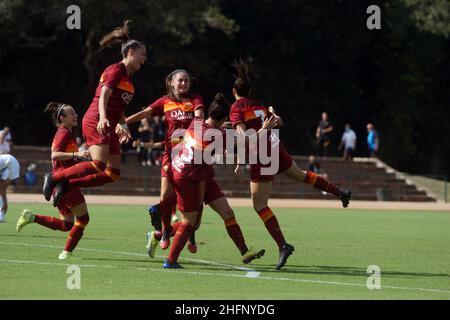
307 56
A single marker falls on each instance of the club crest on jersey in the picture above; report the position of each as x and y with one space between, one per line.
127 97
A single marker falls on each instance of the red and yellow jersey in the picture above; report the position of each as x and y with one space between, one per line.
115 77
249 112
63 141
191 161
252 114
178 114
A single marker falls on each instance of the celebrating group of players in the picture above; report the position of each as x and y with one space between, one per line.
185 183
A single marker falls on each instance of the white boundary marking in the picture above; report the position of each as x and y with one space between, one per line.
249 272
196 272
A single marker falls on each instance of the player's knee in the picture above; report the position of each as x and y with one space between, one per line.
228 214
258 207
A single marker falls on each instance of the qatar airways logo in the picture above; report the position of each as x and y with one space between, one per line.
227 147
180 115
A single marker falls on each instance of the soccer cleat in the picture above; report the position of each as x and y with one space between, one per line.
152 244
155 216
61 189
48 186
173 265
345 197
65 255
249 256
25 218
285 252
192 246
165 240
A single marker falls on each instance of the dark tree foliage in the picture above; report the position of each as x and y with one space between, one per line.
306 57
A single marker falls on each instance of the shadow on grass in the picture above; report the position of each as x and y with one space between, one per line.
342 270
156 261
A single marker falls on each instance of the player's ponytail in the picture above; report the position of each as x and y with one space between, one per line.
242 83
56 109
121 35
219 107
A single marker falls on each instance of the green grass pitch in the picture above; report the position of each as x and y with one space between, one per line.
333 251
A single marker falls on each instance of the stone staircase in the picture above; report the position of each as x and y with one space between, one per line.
368 179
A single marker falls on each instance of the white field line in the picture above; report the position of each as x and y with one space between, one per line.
249 272
338 283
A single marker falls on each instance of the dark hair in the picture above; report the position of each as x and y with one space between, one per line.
219 107
121 35
242 83
56 109
169 78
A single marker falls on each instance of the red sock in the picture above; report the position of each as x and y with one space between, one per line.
79 170
76 233
179 241
322 184
53 223
272 226
95 180
235 233
175 226
166 206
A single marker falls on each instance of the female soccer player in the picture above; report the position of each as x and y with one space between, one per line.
247 113
65 154
114 92
215 198
179 107
191 178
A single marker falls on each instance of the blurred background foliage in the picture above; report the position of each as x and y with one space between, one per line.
306 57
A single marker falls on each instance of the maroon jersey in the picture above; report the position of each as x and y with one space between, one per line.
249 112
178 115
252 114
116 78
63 141
194 145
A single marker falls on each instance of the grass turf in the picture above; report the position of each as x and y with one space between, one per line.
333 251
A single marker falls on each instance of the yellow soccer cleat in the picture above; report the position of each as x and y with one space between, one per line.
251 255
25 218
152 244
65 255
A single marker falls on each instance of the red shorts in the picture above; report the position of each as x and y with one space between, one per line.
212 191
92 137
190 193
71 199
285 162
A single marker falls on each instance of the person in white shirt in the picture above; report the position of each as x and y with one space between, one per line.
349 142
9 171
5 140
